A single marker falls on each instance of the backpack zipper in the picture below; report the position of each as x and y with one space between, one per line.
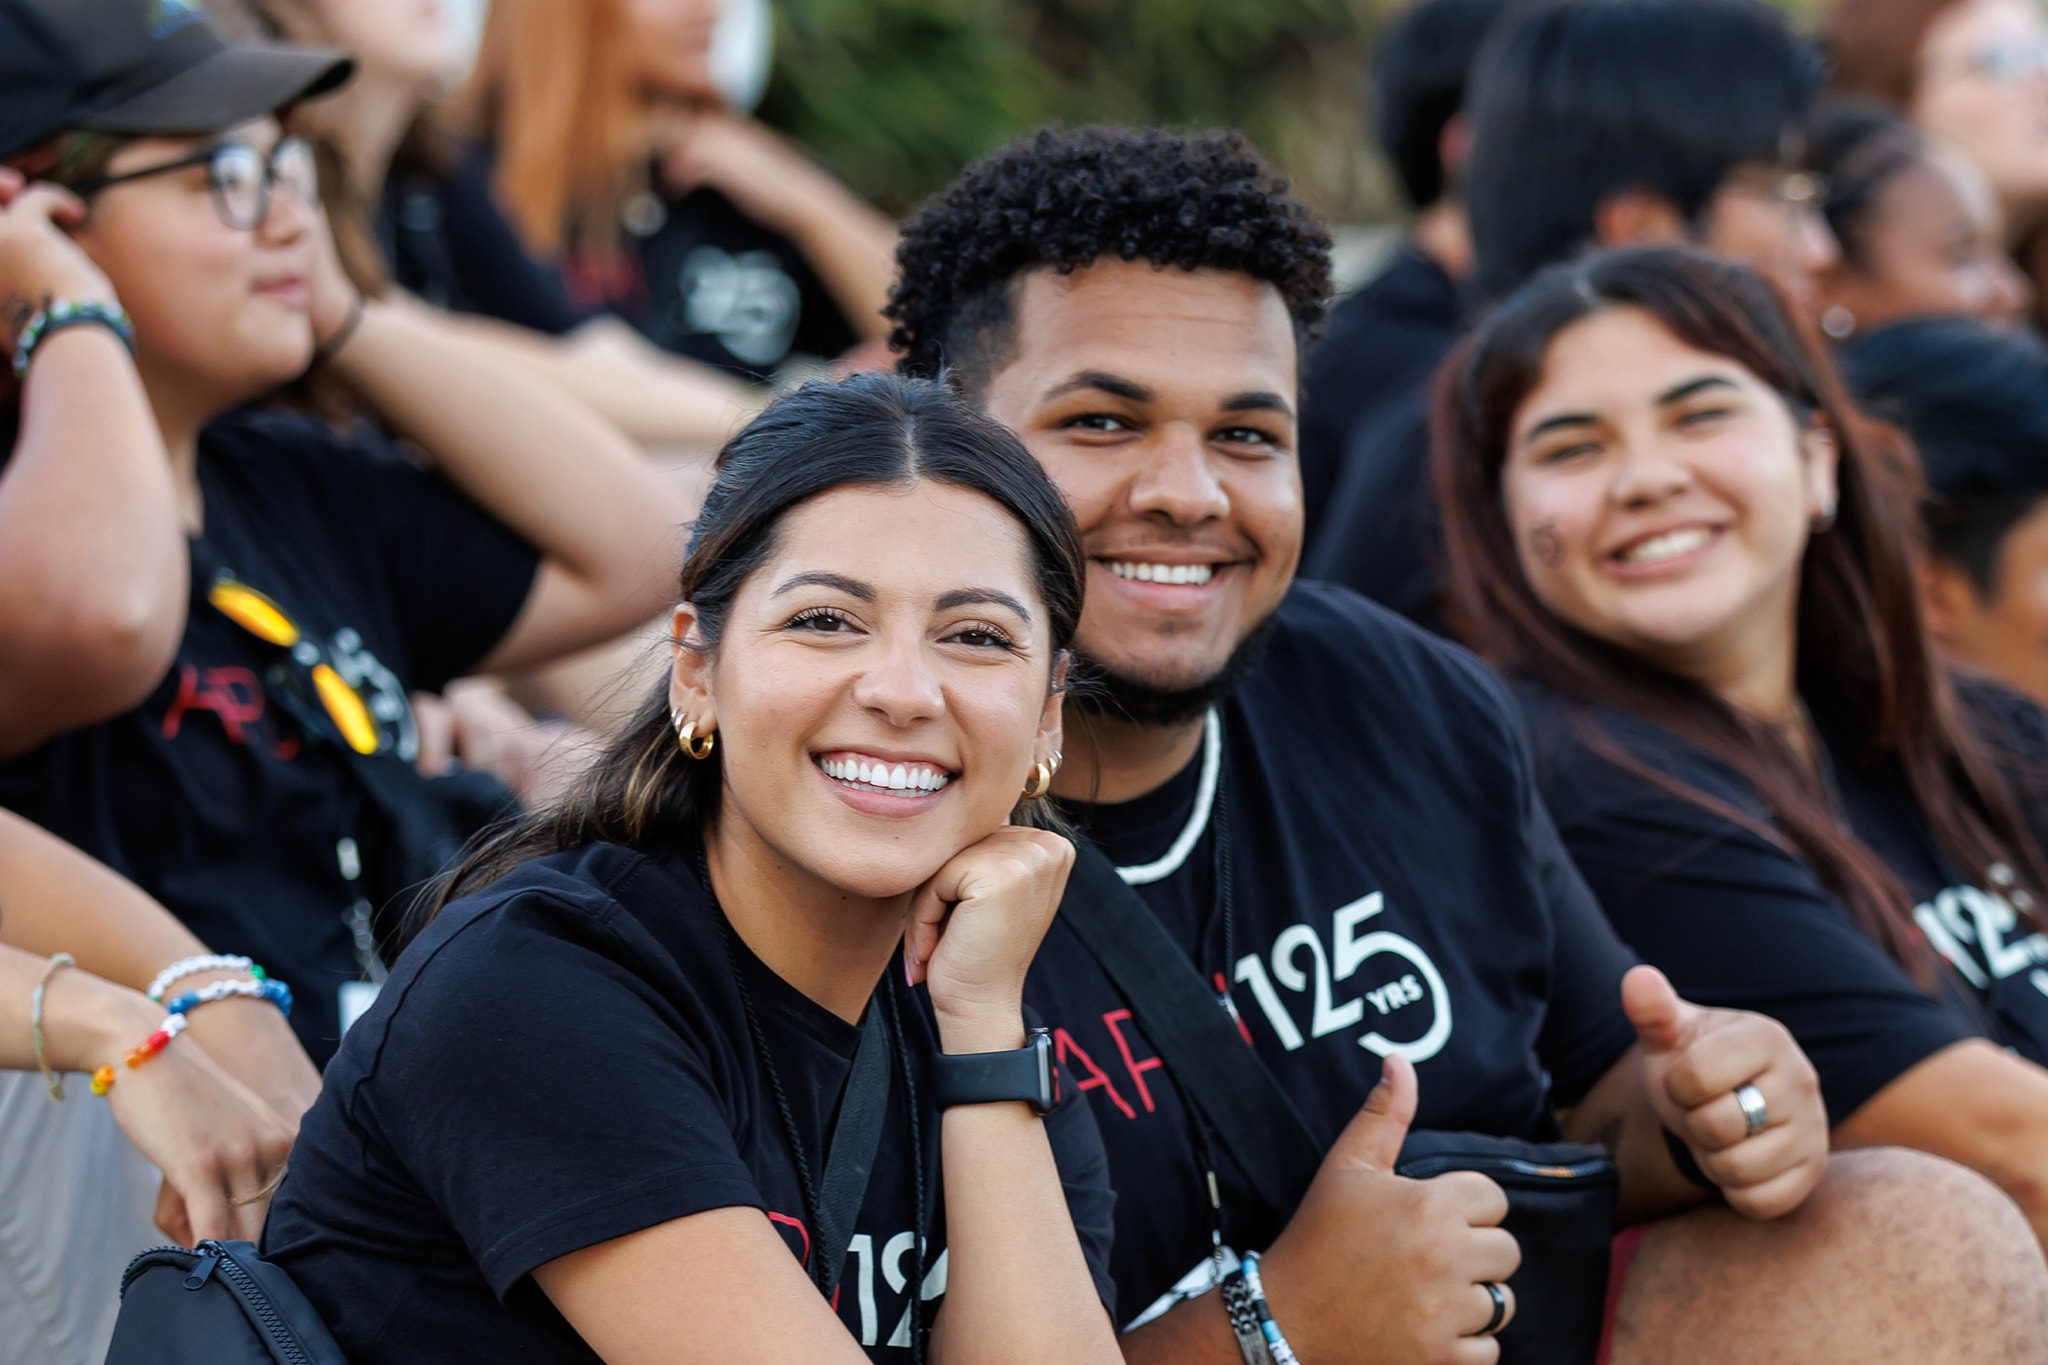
210 1256
272 1323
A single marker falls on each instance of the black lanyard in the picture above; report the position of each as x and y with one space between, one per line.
832 1206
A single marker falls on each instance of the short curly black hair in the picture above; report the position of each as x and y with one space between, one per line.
1068 198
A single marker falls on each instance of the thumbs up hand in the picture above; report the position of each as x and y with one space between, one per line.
1374 1267
1697 1061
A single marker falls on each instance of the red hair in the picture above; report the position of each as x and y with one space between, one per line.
555 88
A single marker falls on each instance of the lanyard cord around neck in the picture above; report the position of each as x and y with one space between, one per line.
794 1137
1212 808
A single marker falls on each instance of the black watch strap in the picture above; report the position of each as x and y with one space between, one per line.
1024 1074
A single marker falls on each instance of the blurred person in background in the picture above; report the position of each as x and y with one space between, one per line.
1973 76
1975 403
214 1112
614 154
409 209
1670 529
211 635
1598 122
1383 342
1920 230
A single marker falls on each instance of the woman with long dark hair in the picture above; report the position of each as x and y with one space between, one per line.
1670 528
605 1107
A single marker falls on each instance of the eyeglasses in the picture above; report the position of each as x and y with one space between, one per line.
240 176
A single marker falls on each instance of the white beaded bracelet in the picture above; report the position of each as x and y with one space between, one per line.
192 966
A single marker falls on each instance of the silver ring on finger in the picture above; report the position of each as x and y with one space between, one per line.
1755 1112
1500 1309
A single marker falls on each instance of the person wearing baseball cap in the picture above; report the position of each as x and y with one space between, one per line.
138 68
213 617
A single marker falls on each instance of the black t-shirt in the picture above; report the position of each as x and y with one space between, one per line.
1382 343
705 281
1382 532
1396 884
448 242
1739 920
207 794
565 1059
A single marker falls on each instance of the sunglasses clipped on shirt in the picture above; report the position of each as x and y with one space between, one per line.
337 700
240 176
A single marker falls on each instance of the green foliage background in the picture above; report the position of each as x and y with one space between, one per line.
897 95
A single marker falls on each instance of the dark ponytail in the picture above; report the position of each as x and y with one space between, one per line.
643 791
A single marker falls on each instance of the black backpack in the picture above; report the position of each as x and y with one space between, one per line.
218 1304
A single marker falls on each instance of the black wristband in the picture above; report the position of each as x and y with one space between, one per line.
1688 1165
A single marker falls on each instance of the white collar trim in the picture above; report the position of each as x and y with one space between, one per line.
1198 819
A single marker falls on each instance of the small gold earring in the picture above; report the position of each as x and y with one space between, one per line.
696 747
1040 783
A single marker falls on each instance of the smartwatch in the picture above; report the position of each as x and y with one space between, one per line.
1024 1074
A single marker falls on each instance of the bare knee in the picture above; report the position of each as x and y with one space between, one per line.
1898 1255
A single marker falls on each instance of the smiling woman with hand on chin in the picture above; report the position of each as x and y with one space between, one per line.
1668 524
677 1069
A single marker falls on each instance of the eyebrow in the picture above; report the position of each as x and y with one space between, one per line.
968 597
1259 402
1676 394
820 579
1119 387
1103 381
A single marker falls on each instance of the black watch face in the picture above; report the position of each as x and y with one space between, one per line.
1040 1044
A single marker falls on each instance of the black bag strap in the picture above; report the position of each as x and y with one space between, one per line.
856 1135
1192 1033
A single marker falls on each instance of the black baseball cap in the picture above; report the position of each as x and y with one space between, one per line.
141 68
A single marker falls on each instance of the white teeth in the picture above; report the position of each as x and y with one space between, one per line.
901 777
1163 573
1670 545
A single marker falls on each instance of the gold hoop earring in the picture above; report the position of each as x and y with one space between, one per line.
695 746
1040 783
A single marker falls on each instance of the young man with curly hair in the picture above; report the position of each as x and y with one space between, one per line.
1331 814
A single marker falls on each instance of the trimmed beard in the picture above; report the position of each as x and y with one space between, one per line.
1115 697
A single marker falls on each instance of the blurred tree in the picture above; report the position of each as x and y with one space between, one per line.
898 95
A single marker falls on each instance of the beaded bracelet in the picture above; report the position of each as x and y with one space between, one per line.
1244 1320
172 1026
260 988
1283 1354
61 313
57 962
192 966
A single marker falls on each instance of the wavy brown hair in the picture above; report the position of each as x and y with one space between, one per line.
1864 659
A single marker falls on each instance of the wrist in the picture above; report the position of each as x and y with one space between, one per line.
988 1028
89 1022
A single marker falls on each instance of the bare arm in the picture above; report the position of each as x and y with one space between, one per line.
93 564
652 397
218 1145
54 899
608 526
1979 1106
722 1282
1011 1245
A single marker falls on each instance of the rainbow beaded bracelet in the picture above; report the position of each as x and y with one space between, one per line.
172 1026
